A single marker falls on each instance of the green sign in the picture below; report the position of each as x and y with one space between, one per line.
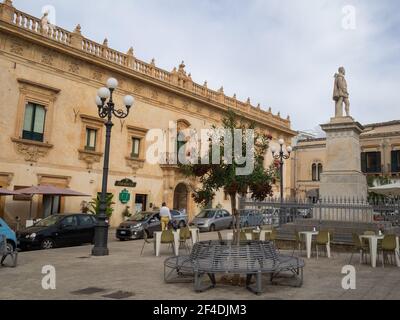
124 196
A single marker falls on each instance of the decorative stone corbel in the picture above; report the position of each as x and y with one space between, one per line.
90 157
134 164
31 150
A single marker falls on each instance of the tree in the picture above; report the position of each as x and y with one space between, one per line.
223 176
95 205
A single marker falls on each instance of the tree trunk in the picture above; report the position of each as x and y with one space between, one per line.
235 213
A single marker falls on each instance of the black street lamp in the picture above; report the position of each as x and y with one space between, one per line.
106 111
281 156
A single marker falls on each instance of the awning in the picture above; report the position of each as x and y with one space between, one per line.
387 190
5 192
52 191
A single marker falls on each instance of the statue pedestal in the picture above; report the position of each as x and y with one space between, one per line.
342 176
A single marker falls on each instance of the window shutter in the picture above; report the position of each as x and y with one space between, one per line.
378 162
395 161
364 162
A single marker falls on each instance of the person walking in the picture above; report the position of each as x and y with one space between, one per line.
165 215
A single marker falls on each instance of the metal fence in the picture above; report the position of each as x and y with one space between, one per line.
277 213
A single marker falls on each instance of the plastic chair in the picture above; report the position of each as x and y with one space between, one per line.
388 246
167 237
359 247
323 238
184 236
146 240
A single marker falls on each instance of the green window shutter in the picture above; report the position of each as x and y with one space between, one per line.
378 162
364 162
395 161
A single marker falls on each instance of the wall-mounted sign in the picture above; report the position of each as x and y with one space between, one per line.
124 196
127 183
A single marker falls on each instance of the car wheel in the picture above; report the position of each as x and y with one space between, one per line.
10 246
47 244
212 228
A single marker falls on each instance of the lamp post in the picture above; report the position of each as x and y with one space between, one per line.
281 156
107 110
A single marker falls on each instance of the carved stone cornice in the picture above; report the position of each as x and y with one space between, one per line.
134 164
31 150
90 157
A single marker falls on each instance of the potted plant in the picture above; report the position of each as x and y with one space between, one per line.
95 205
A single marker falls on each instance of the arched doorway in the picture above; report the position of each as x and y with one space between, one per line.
181 197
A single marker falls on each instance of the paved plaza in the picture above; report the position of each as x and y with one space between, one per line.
127 275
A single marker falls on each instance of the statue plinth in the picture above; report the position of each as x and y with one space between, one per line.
342 176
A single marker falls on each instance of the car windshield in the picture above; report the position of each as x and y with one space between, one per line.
206 214
142 216
49 221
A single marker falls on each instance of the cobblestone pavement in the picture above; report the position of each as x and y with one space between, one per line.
127 275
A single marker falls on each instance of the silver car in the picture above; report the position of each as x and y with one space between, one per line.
180 218
213 219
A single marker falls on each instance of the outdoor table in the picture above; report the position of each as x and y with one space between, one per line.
309 235
249 235
157 243
373 247
229 236
263 233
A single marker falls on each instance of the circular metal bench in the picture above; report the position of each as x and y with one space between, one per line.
250 258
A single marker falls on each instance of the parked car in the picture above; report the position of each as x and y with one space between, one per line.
148 222
213 219
10 235
60 230
181 219
136 226
250 218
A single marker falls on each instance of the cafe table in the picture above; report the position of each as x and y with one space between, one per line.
157 243
308 235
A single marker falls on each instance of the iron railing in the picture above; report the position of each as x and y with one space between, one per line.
277 212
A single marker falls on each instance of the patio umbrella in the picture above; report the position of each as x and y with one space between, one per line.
5 192
387 190
50 191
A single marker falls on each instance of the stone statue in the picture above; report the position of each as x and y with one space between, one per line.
45 23
340 94
47 27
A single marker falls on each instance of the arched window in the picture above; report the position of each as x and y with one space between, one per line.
320 170
316 171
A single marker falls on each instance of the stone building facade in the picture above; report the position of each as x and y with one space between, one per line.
380 157
50 132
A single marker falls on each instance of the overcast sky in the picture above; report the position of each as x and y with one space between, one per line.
280 53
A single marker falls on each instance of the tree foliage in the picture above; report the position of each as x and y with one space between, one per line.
223 176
